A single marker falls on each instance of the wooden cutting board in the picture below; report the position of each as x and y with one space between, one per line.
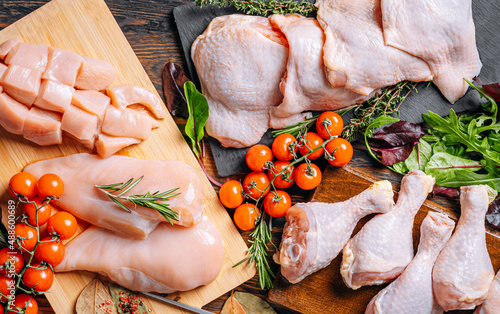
88 28
324 291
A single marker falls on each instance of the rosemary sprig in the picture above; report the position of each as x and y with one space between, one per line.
264 7
148 200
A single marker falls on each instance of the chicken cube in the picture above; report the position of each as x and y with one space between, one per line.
54 96
7 46
63 66
127 123
92 101
42 127
108 145
29 56
123 96
80 125
12 114
95 74
22 84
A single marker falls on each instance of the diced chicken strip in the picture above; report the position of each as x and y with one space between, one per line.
54 96
12 114
21 83
42 127
92 101
123 96
3 68
108 145
63 66
7 46
127 123
95 74
80 125
29 56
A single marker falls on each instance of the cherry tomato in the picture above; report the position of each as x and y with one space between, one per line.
341 150
256 184
50 185
281 146
25 301
27 235
307 179
334 121
14 257
1 310
51 251
310 142
6 286
245 216
43 212
284 180
62 223
257 156
231 194
23 183
277 203
38 279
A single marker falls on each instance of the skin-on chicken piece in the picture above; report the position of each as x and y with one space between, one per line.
362 62
412 291
316 232
42 127
128 123
440 32
382 249
305 86
63 66
92 101
463 272
80 172
95 74
22 84
123 96
240 61
184 258
54 96
492 303
29 56
7 46
108 145
12 114
81 125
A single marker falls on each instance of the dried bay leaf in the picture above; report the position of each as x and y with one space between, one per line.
253 304
92 296
232 306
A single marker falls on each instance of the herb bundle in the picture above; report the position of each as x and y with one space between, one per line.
264 7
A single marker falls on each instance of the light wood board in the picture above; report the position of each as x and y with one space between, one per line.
88 28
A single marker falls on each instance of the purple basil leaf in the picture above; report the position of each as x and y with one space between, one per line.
492 90
173 89
493 214
400 133
448 192
392 155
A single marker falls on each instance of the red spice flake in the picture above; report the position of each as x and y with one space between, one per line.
108 301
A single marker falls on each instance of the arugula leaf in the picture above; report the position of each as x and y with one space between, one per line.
419 157
443 165
198 116
464 177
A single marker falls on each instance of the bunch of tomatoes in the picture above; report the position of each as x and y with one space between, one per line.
270 178
26 265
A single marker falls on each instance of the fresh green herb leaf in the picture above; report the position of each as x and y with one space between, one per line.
400 167
419 157
464 177
198 116
443 165
265 7
377 123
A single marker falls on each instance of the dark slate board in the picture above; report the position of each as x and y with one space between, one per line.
192 21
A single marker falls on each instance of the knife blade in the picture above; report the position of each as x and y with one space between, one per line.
177 304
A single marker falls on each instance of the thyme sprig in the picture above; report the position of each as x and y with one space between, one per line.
148 200
264 7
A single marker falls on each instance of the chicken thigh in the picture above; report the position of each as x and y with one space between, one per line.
382 249
492 303
316 232
412 291
463 272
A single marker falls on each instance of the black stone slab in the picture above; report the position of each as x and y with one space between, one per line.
192 21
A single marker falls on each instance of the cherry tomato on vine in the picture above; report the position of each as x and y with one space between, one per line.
231 194
27 235
256 184
51 251
38 279
245 216
14 257
276 203
23 183
1 310
335 124
281 146
341 150
6 285
284 180
310 142
257 156
43 212
24 300
307 179
50 185
62 223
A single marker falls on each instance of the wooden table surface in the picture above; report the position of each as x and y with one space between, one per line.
150 28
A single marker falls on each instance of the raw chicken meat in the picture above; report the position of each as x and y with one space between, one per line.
128 123
12 114
63 66
123 96
54 96
22 84
184 258
382 249
305 86
240 61
355 54
91 101
492 303
108 145
316 232
80 172
412 291
440 32
28 56
463 272
95 74
7 46
81 125
42 127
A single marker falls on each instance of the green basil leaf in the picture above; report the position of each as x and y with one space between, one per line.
418 160
444 165
198 116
